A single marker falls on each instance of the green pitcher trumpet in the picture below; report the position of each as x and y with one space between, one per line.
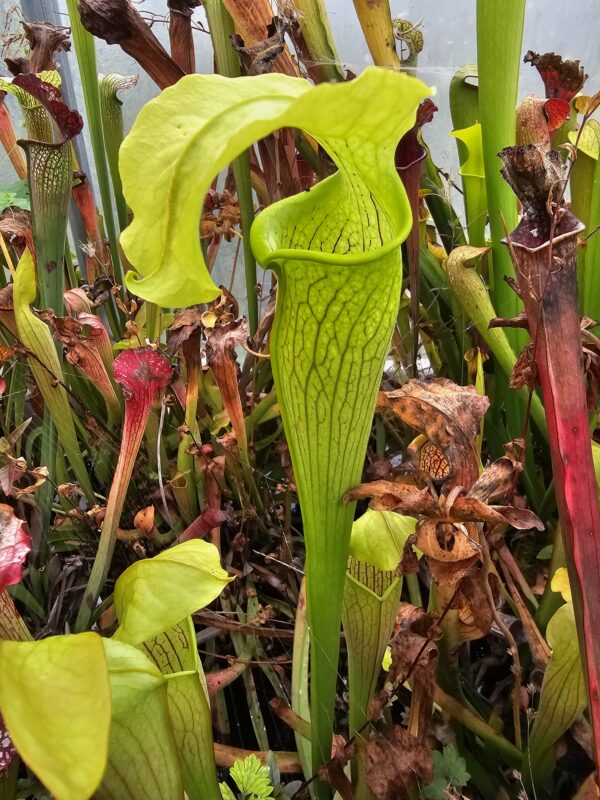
336 252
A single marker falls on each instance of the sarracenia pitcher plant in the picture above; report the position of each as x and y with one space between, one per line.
336 252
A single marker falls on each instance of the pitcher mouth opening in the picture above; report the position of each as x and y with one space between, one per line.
533 238
339 259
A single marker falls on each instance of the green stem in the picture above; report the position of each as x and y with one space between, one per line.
86 59
480 727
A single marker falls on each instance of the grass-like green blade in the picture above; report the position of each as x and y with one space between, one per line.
86 59
585 202
46 369
316 30
499 38
474 299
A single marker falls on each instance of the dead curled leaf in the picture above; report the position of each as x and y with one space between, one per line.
498 478
447 541
184 326
257 57
221 343
562 78
17 480
474 612
449 415
393 496
396 763
414 658
388 495
332 772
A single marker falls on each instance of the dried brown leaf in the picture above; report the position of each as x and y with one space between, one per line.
449 415
396 763
497 479
389 495
448 541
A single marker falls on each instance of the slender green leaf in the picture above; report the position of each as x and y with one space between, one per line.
499 39
316 30
55 700
112 127
473 179
46 369
50 174
85 51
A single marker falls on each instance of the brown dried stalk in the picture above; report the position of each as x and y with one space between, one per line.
180 33
118 22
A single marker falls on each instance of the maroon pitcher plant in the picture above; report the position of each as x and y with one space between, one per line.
142 374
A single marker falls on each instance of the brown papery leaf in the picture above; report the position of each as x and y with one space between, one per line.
252 19
332 772
447 541
449 415
221 342
470 509
524 372
401 497
257 57
587 105
396 763
448 573
474 612
520 518
44 41
497 479
185 324
562 78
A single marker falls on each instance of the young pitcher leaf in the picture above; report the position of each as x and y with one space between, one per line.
175 653
154 594
563 696
143 763
55 700
378 538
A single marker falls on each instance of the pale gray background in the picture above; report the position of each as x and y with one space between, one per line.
571 29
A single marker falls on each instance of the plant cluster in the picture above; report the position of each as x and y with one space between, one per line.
336 535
